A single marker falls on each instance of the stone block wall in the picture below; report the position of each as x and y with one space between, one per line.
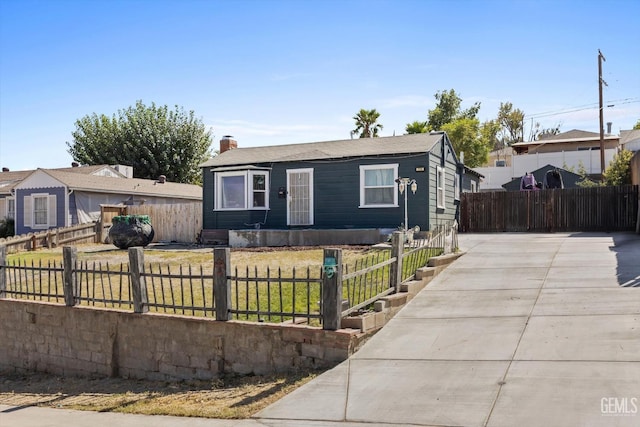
84 341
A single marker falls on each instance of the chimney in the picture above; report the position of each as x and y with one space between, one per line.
75 164
609 127
162 179
5 169
227 143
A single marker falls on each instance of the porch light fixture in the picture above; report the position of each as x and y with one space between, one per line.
404 184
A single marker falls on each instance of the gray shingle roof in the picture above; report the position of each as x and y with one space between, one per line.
8 180
142 187
327 150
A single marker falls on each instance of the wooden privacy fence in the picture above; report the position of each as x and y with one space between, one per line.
175 222
578 209
172 222
312 295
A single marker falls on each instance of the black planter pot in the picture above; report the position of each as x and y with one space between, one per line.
128 231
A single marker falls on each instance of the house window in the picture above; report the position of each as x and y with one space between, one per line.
456 187
40 211
11 207
501 163
378 186
440 199
474 187
241 190
259 188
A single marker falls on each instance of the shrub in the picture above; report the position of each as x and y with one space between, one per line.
7 227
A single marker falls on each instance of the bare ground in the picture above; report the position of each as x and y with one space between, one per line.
229 398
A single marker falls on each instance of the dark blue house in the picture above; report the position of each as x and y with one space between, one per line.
348 184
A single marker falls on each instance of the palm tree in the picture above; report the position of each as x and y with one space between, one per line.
417 127
366 123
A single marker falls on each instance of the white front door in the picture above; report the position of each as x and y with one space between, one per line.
300 197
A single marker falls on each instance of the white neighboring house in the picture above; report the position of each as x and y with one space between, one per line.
567 150
630 139
50 198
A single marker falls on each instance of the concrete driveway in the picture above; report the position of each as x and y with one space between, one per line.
524 330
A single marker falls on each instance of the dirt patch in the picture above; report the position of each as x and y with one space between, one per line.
229 398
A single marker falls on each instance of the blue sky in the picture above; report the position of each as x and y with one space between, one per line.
280 72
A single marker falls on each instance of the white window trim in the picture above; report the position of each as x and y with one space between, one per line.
456 187
440 188
248 189
473 186
6 213
35 196
364 168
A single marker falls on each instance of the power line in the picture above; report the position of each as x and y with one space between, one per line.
582 108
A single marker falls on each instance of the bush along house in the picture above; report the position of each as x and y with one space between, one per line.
332 192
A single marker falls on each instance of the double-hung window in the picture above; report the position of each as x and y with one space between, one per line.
40 211
440 193
378 186
242 190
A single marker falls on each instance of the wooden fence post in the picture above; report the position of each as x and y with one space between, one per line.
69 259
138 284
397 248
3 275
221 283
332 289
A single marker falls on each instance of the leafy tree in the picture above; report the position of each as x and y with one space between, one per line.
511 123
464 134
448 109
637 125
619 171
153 139
489 132
366 123
417 127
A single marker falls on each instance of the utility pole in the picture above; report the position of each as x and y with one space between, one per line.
600 82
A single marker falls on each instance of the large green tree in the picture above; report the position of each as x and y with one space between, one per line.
153 139
367 123
448 109
637 125
466 137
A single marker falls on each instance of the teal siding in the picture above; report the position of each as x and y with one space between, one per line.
336 194
336 197
450 212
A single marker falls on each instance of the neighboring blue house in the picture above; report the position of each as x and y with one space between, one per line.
51 198
341 185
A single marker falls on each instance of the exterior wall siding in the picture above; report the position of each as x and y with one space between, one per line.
336 197
450 212
59 192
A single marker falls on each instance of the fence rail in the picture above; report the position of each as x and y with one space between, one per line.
315 296
82 233
577 209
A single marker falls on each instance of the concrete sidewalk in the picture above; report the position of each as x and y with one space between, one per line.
524 330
